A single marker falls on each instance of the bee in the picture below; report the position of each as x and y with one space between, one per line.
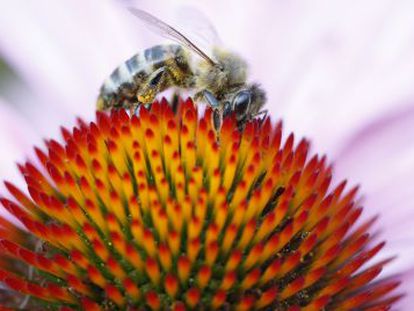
220 79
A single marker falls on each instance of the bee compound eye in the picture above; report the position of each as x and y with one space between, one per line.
217 119
241 103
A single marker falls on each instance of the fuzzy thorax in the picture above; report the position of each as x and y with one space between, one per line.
230 72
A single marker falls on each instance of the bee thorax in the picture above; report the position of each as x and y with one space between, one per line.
231 71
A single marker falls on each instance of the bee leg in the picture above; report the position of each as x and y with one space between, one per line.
155 84
211 99
217 119
134 109
217 111
199 96
264 113
261 112
175 102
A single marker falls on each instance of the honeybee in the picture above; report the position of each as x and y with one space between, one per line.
220 79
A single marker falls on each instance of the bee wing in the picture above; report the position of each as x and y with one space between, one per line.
201 30
168 31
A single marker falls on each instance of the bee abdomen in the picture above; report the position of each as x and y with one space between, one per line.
121 87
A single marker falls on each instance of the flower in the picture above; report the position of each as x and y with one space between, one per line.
161 211
347 85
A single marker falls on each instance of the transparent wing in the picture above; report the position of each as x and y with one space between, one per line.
168 31
200 29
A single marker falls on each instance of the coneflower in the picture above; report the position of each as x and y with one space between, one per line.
159 211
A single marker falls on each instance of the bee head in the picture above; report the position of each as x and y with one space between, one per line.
245 103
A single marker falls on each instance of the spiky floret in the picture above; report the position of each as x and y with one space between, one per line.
160 211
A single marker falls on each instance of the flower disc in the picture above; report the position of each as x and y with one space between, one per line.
160 211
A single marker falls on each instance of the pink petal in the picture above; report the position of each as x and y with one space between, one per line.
17 139
381 158
408 288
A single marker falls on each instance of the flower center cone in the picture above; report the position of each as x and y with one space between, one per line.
158 211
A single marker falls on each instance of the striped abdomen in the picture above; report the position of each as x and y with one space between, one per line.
122 86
